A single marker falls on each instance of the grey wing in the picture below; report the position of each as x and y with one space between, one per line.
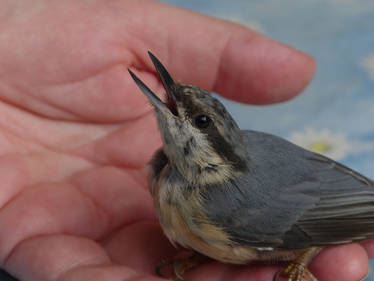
344 212
292 198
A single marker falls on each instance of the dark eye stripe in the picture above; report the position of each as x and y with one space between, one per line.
217 141
224 149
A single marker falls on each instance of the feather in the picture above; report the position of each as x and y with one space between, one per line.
291 198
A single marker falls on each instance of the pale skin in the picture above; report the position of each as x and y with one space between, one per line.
76 133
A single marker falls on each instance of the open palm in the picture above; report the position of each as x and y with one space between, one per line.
76 133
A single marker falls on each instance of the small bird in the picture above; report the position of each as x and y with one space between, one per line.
239 196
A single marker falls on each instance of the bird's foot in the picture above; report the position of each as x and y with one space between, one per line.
179 266
297 269
295 272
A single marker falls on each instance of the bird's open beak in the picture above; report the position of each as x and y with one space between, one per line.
167 82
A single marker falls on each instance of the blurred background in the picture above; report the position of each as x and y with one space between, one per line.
335 114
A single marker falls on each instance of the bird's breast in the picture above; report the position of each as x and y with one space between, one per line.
183 220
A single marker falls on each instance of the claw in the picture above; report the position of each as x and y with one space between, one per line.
180 266
297 269
294 274
179 269
161 265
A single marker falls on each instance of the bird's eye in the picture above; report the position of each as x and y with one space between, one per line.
202 121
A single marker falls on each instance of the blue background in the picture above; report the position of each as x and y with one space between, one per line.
335 114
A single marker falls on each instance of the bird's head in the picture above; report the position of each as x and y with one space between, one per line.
200 137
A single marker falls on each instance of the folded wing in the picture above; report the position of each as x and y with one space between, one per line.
292 198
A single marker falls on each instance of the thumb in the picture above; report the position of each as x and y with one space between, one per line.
221 56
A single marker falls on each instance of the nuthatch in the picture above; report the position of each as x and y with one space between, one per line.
240 196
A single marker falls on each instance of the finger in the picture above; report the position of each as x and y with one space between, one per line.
63 257
131 146
221 56
140 246
369 246
124 199
48 257
107 273
83 208
48 209
345 263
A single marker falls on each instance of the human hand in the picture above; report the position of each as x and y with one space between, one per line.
76 132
